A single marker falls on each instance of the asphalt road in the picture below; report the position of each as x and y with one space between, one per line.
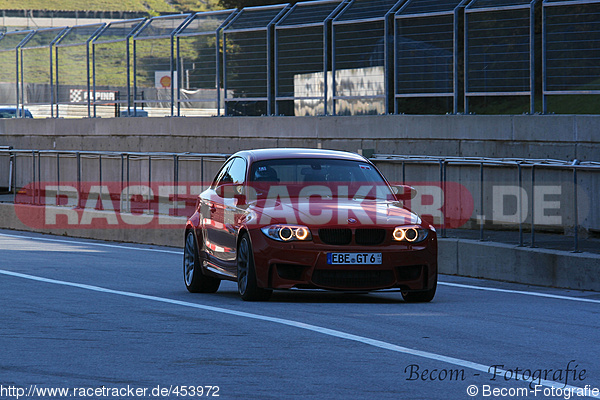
110 320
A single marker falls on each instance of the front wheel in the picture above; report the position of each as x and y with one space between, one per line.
246 273
424 296
195 280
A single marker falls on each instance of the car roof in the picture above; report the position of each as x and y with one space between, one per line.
12 109
281 153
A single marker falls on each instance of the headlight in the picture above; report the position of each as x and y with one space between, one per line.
287 233
411 235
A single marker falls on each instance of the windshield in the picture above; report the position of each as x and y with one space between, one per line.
12 113
7 113
321 176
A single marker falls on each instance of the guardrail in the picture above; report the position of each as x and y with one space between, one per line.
574 167
124 160
32 167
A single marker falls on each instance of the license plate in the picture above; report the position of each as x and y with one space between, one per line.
354 258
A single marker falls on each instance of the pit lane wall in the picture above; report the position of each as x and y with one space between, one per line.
471 258
562 137
559 137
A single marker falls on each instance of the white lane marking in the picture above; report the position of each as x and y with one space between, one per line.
113 246
546 295
536 294
314 328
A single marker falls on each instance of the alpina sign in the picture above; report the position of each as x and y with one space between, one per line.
81 95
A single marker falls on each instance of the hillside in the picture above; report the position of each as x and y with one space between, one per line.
150 6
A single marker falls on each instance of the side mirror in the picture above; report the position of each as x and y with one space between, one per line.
240 195
404 192
232 191
226 190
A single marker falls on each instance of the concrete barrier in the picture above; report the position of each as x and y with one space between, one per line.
471 258
503 262
160 237
563 137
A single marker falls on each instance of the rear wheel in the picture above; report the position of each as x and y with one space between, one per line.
246 272
195 280
424 296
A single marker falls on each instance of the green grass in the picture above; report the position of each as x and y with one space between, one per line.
95 5
149 6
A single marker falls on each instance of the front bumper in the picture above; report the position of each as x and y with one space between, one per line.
304 265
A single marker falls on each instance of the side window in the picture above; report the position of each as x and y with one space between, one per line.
237 172
222 176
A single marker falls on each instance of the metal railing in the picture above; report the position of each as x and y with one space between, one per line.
518 166
320 57
58 163
570 182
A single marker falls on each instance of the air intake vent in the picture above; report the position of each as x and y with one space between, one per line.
337 237
369 237
353 279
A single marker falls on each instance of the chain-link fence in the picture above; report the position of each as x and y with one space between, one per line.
325 57
112 76
199 53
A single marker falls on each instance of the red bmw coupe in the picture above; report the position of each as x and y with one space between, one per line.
308 219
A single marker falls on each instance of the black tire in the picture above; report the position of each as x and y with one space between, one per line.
193 277
424 296
246 272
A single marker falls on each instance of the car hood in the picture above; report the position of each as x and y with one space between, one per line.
334 211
